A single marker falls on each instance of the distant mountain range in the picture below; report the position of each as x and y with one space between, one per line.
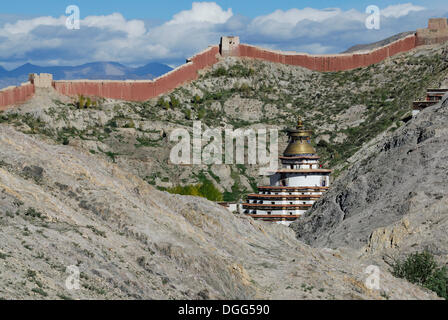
93 71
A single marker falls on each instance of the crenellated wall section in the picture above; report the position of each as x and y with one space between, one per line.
141 90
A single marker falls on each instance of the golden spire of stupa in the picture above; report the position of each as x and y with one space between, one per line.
299 140
299 122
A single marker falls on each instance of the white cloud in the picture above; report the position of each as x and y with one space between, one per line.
113 22
202 12
26 26
116 22
400 10
304 22
45 40
331 30
294 16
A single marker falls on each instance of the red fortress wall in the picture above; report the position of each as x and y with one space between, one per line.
15 95
144 90
141 90
328 63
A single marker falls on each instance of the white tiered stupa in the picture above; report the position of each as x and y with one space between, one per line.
293 188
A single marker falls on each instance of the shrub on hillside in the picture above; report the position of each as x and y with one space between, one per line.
220 72
81 102
201 113
85 103
174 102
209 191
187 113
163 103
239 70
196 99
421 268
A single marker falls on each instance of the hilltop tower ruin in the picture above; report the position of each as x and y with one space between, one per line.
228 46
437 32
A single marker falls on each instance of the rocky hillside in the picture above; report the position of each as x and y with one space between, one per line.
345 109
79 186
393 200
61 205
381 43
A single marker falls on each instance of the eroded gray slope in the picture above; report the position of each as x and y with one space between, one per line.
405 176
62 206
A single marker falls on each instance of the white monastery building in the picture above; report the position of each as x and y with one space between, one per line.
294 188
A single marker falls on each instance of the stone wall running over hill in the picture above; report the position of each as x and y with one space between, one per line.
141 90
436 32
325 63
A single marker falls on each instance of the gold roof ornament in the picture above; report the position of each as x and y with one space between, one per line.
299 141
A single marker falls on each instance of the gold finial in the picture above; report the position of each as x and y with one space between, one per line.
299 122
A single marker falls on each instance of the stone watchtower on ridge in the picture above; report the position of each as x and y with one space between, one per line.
437 32
229 46
44 80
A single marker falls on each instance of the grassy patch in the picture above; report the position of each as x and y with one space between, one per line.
205 189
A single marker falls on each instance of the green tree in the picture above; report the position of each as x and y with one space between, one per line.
81 101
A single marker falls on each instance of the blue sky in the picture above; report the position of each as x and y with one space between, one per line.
164 10
137 32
